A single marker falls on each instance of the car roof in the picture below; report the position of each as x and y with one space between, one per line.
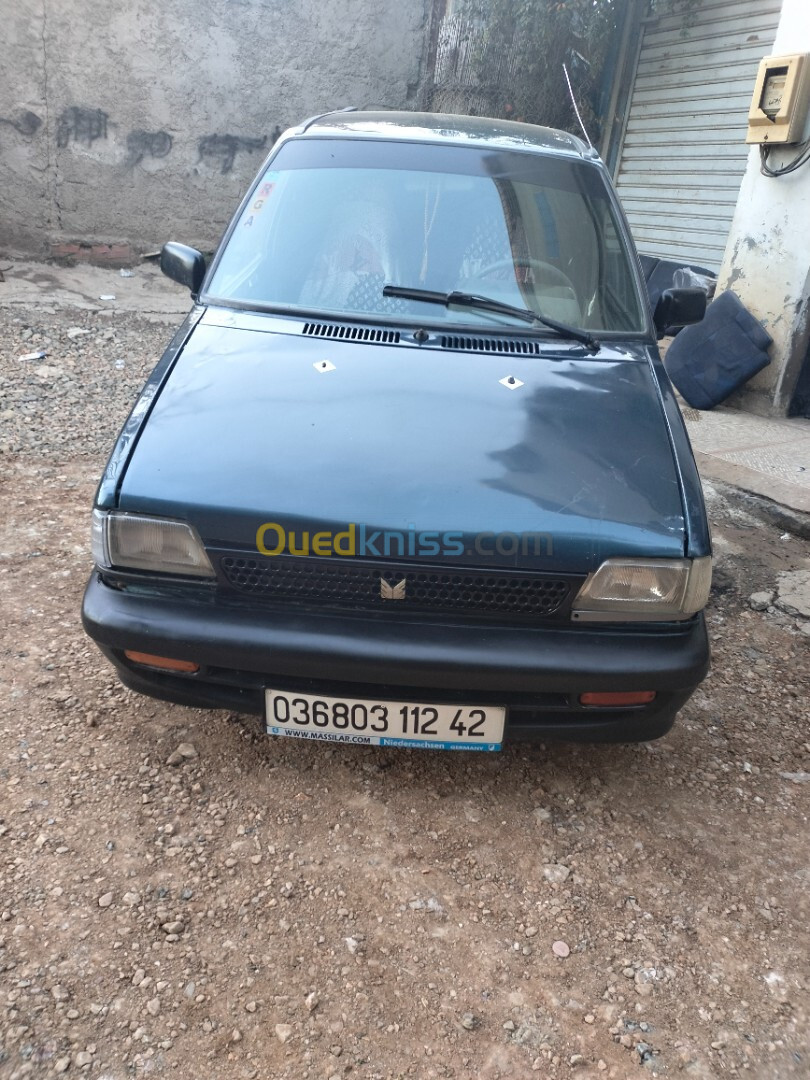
482 131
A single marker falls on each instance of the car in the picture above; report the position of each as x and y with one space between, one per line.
411 472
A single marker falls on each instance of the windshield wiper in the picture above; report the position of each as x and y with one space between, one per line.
497 307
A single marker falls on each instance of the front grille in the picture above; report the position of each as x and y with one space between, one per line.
339 583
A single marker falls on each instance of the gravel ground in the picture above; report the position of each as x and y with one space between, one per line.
72 401
181 895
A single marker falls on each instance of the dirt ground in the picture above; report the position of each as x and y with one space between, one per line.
272 908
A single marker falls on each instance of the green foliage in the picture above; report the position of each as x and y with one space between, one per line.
520 47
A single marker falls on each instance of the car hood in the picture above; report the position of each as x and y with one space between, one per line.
249 429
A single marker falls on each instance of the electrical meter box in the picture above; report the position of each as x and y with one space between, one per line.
779 105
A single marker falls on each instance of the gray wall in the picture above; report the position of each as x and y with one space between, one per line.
124 122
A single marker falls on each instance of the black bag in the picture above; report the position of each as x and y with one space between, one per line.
710 360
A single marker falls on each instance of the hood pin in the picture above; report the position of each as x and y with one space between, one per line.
510 382
324 365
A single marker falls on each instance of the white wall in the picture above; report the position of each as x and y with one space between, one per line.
124 121
767 258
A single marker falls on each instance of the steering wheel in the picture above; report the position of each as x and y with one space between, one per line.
545 270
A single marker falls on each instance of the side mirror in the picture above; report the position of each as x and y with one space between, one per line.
679 307
184 265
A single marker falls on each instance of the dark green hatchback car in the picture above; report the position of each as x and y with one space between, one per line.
411 471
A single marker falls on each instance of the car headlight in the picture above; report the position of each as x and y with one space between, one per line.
137 542
637 589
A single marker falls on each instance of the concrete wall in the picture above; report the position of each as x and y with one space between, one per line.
124 122
767 258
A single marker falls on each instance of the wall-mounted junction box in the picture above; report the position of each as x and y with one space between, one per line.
779 105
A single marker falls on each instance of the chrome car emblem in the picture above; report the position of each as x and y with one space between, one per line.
392 592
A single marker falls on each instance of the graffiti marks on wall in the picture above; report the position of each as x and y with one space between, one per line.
153 144
222 149
26 122
81 125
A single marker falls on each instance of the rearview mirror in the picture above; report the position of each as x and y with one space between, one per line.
679 307
182 264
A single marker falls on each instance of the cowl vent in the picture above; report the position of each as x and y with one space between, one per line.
352 333
514 346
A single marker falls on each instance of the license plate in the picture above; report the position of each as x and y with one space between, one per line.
384 723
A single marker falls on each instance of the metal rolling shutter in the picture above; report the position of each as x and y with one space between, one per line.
684 154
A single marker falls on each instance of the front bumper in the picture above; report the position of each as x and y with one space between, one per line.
537 672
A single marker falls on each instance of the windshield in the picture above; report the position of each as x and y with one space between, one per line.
332 221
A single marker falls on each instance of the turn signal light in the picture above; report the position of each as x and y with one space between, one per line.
614 700
165 662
